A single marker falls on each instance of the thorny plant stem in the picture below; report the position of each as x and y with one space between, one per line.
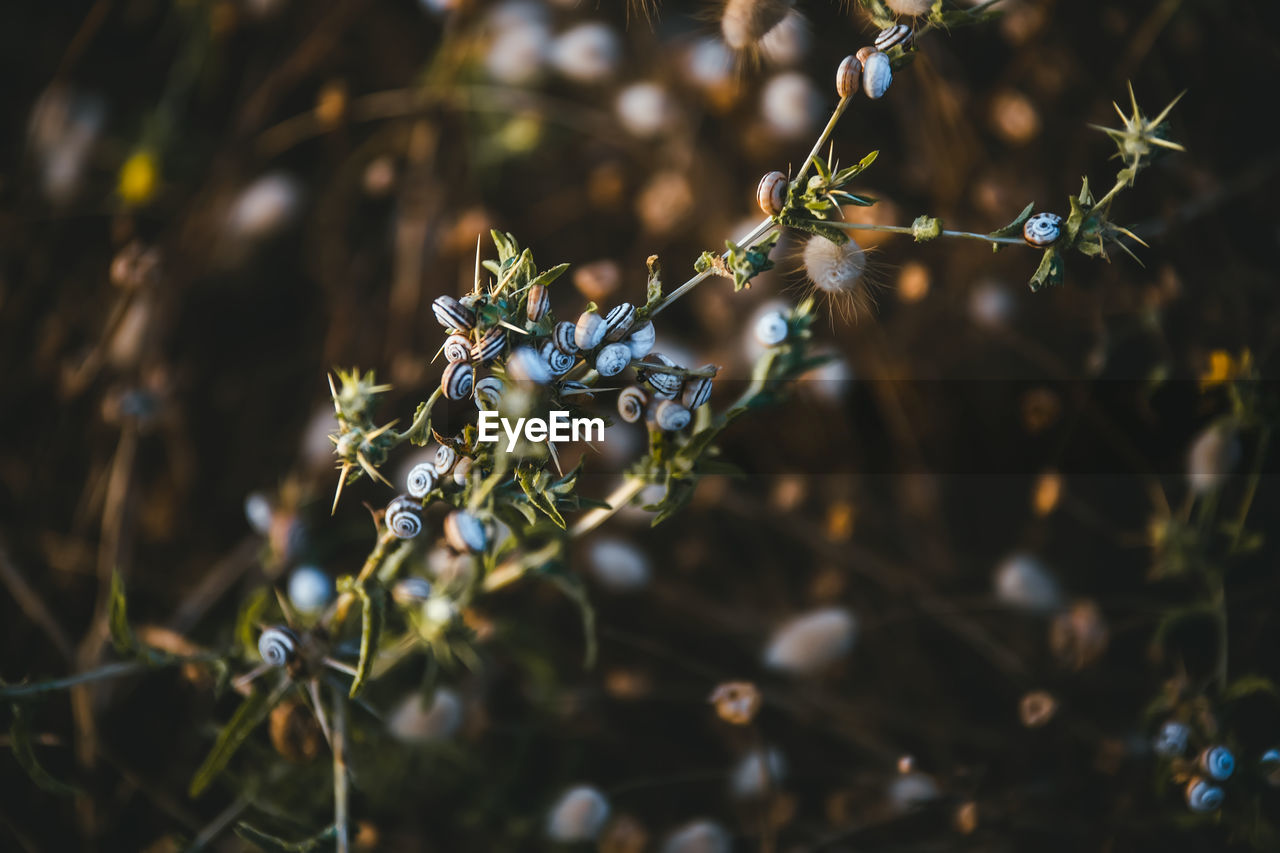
903 229
619 498
752 237
824 136
423 417
102 673
341 820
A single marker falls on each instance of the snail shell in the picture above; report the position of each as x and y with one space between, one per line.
452 314
1218 762
462 470
525 365
771 194
848 76
456 380
590 330
446 458
613 359
618 321
890 37
538 303
278 646
631 403
410 591
465 532
488 392
1269 764
1172 739
557 361
422 479
1203 796
563 337
697 391
641 339
571 387
457 348
877 74
665 385
1042 230
670 416
863 53
404 517
490 345
771 329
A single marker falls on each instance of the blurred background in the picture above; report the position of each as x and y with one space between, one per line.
205 205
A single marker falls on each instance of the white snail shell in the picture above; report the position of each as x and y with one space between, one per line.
538 303
1269 764
563 336
771 194
697 391
1042 230
771 329
452 314
456 380
848 76
457 348
465 532
404 517
641 340
631 403
557 361
446 458
877 74
410 591
670 416
488 392
1218 762
525 365
613 359
462 470
590 330
490 345
618 321
665 385
422 479
574 388
1172 739
278 646
1203 796
898 34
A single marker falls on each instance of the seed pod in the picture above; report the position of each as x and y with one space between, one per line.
558 362
697 391
1218 762
538 302
446 458
848 76
490 345
641 340
457 348
590 331
618 321
771 329
877 74
863 54
488 392
665 385
422 479
452 314
1203 796
1171 741
670 416
462 470
613 359
278 646
1042 230
563 337
456 380
631 403
410 591
771 194
890 37
465 532
525 365
404 517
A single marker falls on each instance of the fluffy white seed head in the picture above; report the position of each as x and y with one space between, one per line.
1022 581
812 641
834 268
578 815
699 836
788 43
745 22
414 722
909 7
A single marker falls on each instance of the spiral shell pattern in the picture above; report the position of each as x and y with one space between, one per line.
563 336
1171 740
665 385
278 646
538 303
490 345
771 193
641 340
410 591
613 359
404 517
446 458
488 392
631 403
670 416
462 470
421 480
771 329
452 314
464 532
525 365
574 388
890 37
877 74
848 76
457 348
1203 796
456 380
1218 762
1042 230
557 361
618 321
697 391
589 331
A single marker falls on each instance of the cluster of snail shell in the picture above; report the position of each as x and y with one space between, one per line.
1211 768
463 530
665 399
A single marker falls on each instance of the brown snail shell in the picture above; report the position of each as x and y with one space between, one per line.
631 403
490 345
848 76
464 532
771 194
456 381
538 303
697 391
563 336
457 348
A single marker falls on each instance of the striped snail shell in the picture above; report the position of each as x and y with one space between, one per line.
538 302
1042 230
670 416
1218 762
446 458
1171 741
848 76
410 591
573 388
771 329
563 336
641 339
665 385
618 321
465 532
863 53
452 314
697 391
557 361
457 348
462 469
590 330
422 479
404 517
890 37
613 359
525 365
456 380
1203 796
488 392
278 646
771 194
490 345
631 403
877 74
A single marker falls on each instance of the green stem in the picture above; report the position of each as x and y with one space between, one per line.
423 418
619 498
905 229
104 673
824 136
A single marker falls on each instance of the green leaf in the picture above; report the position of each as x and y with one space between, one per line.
705 262
251 615
1250 685
373 608
506 245
252 710
846 175
1014 228
1050 270
533 482
118 618
24 752
679 493
323 841
549 276
420 436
